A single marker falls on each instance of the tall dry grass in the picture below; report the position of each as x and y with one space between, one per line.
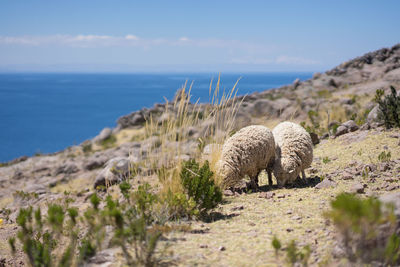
216 119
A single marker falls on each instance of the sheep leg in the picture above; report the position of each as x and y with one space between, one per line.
303 174
254 183
269 178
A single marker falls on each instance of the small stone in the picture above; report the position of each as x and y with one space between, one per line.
384 167
300 199
296 218
228 193
252 224
341 130
289 230
392 187
221 248
326 183
238 208
289 212
203 246
357 188
280 196
350 125
347 176
266 195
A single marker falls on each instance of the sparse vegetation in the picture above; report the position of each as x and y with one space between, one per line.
326 160
384 156
294 255
108 142
389 106
366 228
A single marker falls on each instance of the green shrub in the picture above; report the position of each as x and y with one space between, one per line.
87 147
199 185
384 156
366 228
390 107
294 256
133 224
42 237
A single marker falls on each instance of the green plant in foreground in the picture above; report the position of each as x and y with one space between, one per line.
389 107
294 255
326 160
199 185
384 156
42 237
367 229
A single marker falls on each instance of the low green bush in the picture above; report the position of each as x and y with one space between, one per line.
389 106
199 185
295 256
366 229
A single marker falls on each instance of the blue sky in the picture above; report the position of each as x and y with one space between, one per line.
163 36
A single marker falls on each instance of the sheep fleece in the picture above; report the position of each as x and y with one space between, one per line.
294 151
247 152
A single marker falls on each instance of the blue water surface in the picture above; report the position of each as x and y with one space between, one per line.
48 112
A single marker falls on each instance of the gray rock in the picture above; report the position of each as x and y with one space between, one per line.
104 134
357 188
266 195
326 183
341 130
347 101
365 127
374 115
393 198
116 170
35 188
296 83
133 119
95 162
67 168
351 125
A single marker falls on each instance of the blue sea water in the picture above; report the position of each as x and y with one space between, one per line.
48 112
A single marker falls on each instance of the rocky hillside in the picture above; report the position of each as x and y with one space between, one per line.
336 105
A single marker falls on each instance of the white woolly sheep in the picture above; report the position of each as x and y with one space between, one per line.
247 152
294 152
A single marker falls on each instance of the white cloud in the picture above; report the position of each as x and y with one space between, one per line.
131 37
231 51
295 60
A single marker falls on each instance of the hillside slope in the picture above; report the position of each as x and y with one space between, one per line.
242 235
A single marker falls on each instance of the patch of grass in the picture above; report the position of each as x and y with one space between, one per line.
109 142
384 156
324 93
25 195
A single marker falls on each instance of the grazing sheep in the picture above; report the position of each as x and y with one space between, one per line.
247 152
294 152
